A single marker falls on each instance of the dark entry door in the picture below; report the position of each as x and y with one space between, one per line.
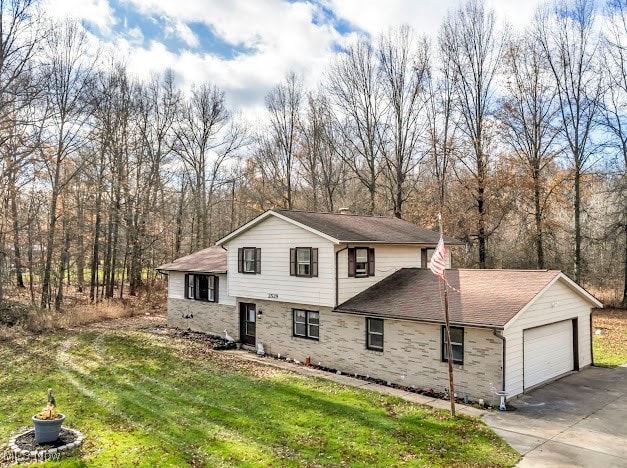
247 320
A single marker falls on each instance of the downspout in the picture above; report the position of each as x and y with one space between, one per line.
502 338
591 345
337 274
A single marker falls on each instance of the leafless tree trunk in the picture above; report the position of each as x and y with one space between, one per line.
68 76
284 107
356 94
529 113
473 47
615 115
571 46
441 123
404 64
205 138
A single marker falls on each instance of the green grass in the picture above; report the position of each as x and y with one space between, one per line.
143 400
610 348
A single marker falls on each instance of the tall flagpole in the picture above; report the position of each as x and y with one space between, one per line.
449 346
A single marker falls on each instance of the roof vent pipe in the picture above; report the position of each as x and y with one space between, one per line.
344 211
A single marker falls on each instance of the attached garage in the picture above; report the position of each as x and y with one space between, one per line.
548 352
537 322
550 336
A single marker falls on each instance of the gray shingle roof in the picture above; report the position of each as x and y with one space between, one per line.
355 228
488 298
210 260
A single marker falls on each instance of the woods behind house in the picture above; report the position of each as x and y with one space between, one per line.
518 137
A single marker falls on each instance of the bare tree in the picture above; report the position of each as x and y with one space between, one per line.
615 115
157 103
205 138
472 45
68 75
320 166
404 66
441 123
529 115
356 94
284 107
571 46
20 34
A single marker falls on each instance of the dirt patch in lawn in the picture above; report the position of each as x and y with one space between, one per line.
610 337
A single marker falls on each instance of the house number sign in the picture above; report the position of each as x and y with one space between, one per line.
273 296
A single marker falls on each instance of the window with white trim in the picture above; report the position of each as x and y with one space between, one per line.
201 287
457 344
374 334
306 324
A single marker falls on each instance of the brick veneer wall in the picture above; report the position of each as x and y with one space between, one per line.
412 351
208 318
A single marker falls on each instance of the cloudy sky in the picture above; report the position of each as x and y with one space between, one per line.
247 46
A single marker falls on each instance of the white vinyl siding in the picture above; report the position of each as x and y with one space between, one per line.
388 259
548 352
275 237
176 287
558 303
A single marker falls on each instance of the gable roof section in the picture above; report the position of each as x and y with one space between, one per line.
346 228
488 298
209 260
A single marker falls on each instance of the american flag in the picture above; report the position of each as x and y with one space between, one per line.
438 260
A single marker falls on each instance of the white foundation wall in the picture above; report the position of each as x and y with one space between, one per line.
559 302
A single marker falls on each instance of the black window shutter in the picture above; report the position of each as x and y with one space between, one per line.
423 258
314 262
186 286
257 260
240 260
292 262
370 262
216 288
351 262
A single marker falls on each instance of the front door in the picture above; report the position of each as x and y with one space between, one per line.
247 320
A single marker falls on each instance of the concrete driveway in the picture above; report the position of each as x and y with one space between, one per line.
579 420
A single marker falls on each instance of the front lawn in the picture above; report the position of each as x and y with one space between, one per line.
148 400
610 347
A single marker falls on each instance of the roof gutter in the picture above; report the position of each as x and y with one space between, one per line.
502 338
409 319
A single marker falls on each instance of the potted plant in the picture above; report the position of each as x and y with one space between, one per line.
48 422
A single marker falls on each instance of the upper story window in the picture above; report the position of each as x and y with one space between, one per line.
201 287
360 262
457 344
430 253
304 262
249 260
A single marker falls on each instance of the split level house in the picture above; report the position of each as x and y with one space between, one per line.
353 293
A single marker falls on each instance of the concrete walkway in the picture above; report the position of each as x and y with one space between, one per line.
579 420
357 383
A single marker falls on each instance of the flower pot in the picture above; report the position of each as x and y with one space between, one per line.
47 430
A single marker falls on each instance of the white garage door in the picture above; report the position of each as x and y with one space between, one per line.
548 352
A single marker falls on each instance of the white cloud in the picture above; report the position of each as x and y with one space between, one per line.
375 17
96 12
280 36
182 31
136 36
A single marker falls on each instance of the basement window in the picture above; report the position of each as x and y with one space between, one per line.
457 343
374 334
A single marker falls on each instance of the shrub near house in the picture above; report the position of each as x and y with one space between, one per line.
353 293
